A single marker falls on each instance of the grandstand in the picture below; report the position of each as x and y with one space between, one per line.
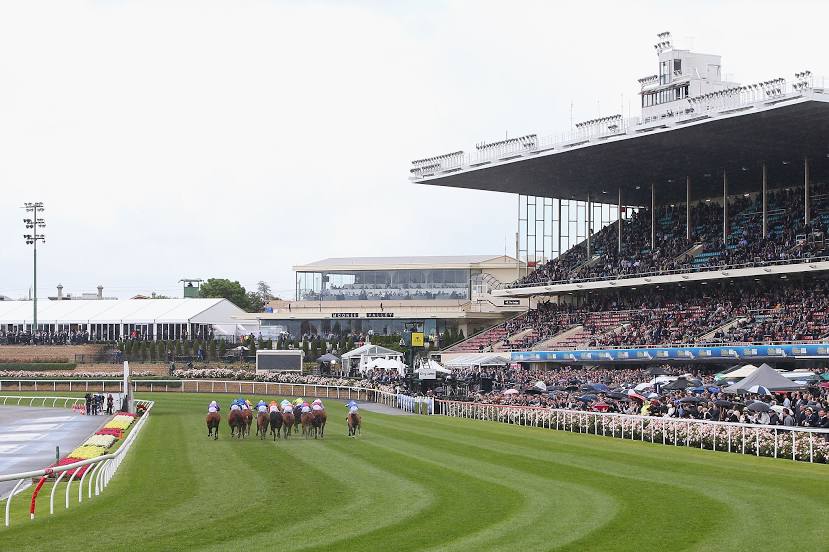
696 231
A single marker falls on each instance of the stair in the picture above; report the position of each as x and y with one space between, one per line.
705 338
518 336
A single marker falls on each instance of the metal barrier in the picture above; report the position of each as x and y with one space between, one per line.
798 443
101 472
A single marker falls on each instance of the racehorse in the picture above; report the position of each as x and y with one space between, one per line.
247 416
288 421
276 423
318 419
213 419
297 418
354 423
262 424
307 421
237 423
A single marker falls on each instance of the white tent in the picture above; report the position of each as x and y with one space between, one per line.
476 360
384 364
433 365
361 357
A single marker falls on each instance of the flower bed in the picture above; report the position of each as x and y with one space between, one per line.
120 422
96 440
70 460
85 452
114 431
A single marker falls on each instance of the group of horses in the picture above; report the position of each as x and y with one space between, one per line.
281 424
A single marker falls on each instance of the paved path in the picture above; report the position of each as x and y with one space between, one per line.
29 435
382 409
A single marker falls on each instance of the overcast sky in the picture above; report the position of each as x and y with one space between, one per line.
235 139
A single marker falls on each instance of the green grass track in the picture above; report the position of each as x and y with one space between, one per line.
428 483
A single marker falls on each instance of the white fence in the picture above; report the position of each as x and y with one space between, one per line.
98 476
797 443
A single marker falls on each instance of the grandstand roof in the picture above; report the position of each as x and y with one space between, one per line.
204 311
664 152
402 263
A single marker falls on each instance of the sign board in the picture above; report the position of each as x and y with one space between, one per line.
427 373
279 361
379 315
417 339
508 302
344 315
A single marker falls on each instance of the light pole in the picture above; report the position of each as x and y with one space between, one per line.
34 225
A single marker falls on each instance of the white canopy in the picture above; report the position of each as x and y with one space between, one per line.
372 351
434 365
476 360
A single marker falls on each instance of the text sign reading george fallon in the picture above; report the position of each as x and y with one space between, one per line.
357 315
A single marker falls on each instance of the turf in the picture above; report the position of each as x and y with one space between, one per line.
429 483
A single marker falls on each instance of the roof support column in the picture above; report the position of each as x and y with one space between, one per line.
619 220
653 216
806 190
559 228
688 208
724 207
588 223
765 200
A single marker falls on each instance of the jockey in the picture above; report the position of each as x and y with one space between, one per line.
246 405
316 406
262 406
273 407
213 407
306 408
352 407
298 402
235 406
287 408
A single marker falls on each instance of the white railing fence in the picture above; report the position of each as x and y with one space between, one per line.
94 478
795 443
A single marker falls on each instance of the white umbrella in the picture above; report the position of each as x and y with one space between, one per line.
759 390
540 385
511 392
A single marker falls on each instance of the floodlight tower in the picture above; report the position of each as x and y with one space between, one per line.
34 225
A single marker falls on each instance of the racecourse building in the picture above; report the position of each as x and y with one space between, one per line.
384 295
714 200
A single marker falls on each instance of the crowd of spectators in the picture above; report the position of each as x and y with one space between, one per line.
746 313
16 337
787 239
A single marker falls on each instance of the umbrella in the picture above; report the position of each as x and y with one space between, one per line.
600 388
724 404
511 392
601 407
636 396
328 357
533 391
653 395
657 371
697 389
586 388
691 400
540 385
759 407
617 395
759 390
713 389
824 385
587 398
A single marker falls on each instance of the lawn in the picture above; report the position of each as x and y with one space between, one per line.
429 483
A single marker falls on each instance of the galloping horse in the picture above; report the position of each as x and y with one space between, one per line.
213 419
318 419
262 424
288 421
297 417
307 423
247 416
276 423
354 423
237 423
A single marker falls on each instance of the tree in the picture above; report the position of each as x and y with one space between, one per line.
225 289
264 291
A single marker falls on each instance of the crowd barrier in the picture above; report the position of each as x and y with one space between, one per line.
797 443
99 474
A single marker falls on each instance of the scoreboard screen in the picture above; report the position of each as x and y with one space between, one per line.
278 361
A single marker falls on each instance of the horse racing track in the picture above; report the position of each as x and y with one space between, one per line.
429 483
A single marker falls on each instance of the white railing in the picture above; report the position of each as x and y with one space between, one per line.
406 403
797 443
101 472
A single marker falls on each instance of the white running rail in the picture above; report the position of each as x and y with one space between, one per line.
99 475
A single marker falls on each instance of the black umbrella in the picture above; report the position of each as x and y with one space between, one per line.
759 407
691 400
657 371
617 395
677 384
439 391
587 388
587 398
724 404
532 391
